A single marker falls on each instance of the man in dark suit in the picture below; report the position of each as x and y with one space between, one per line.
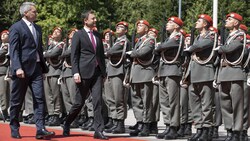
88 68
27 68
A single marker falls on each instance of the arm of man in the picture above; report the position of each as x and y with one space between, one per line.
14 39
75 56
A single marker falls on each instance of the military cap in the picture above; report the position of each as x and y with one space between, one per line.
235 16
4 32
57 28
143 22
176 20
206 18
211 28
122 23
108 31
243 27
154 30
248 37
188 35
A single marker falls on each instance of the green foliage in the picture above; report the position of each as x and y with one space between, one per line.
66 13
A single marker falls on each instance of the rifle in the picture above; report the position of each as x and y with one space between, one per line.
110 36
163 29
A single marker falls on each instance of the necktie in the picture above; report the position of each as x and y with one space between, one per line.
33 30
92 40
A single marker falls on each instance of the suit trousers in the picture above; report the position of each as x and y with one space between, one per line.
19 88
201 98
142 101
232 99
28 105
94 86
170 99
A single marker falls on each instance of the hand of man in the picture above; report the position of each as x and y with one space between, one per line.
77 78
20 73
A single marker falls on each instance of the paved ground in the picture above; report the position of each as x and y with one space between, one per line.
131 121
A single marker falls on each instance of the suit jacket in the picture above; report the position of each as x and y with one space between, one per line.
84 57
23 49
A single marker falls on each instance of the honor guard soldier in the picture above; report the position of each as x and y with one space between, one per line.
66 79
155 100
52 89
243 135
116 72
169 74
201 95
4 66
141 75
185 110
231 77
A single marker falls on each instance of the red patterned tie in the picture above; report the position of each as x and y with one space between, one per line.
92 39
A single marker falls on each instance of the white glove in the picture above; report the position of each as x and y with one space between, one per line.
217 48
215 85
248 82
128 52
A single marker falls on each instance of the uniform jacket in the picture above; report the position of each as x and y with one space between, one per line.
232 50
114 54
202 47
144 52
170 49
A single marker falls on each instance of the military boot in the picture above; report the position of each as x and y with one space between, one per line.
161 135
196 135
145 130
112 128
88 124
137 130
134 126
55 121
120 127
172 134
188 129
205 135
229 135
215 132
153 128
244 136
236 136
181 130
109 124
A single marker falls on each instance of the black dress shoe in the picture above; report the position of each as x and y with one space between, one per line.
15 134
41 134
66 130
100 135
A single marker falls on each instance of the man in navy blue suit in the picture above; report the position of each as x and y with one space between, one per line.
27 69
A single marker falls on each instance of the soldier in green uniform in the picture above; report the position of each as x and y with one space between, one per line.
141 75
52 89
4 64
231 78
201 93
244 136
116 72
169 74
155 107
66 79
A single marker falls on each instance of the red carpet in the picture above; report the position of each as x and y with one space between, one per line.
28 134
